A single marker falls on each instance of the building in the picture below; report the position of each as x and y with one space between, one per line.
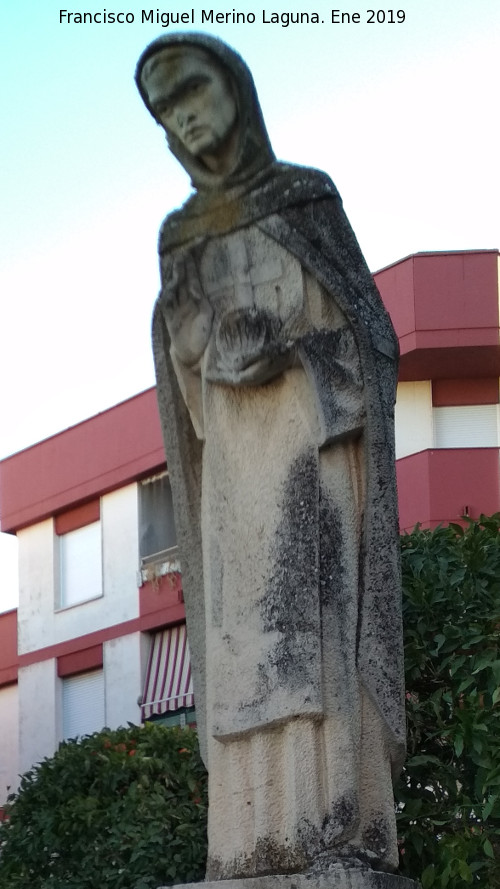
445 308
100 623
9 704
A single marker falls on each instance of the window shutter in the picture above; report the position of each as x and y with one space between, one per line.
83 704
468 426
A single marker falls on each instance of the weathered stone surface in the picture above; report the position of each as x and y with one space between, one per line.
276 369
338 877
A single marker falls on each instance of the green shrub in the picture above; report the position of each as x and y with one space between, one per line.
449 793
121 809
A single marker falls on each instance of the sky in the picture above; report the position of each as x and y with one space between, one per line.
403 115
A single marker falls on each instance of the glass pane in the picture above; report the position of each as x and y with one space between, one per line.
156 516
81 564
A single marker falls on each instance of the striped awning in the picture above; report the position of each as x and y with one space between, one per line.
168 684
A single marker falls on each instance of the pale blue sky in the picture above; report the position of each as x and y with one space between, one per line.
404 117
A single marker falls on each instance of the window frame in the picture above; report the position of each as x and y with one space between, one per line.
69 523
165 555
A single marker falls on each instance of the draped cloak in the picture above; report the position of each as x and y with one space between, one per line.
324 682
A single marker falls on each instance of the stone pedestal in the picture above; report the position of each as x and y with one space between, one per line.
337 877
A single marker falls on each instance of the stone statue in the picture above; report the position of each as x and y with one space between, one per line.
276 368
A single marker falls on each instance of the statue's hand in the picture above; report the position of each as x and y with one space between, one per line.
187 311
251 348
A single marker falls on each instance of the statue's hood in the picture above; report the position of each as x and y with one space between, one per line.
255 152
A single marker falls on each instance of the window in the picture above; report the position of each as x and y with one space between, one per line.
467 426
156 518
83 704
183 717
80 565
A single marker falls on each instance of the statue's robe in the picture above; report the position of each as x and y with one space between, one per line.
289 502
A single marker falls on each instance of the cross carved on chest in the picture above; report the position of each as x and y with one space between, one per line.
243 277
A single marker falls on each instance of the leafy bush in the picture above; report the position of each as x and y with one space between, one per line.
121 809
449 794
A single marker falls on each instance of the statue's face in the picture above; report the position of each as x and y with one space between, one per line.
191 98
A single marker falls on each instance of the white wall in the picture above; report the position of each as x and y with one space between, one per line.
39 712
413 418
36 586
124 676
40 697
40 623
119 518
9 758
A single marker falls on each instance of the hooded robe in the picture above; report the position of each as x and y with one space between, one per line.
286 511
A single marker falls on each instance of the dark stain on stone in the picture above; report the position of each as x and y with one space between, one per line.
331 562
330 841
376 839
315 850
340 821
268 858
288 605
333 358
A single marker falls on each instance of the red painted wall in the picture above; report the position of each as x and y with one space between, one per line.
434 486
80 661
71 519
102 453
446 393
397 289
8 647
163 593
441 291
444 307
456 291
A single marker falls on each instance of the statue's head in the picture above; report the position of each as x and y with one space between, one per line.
202 94
193 99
